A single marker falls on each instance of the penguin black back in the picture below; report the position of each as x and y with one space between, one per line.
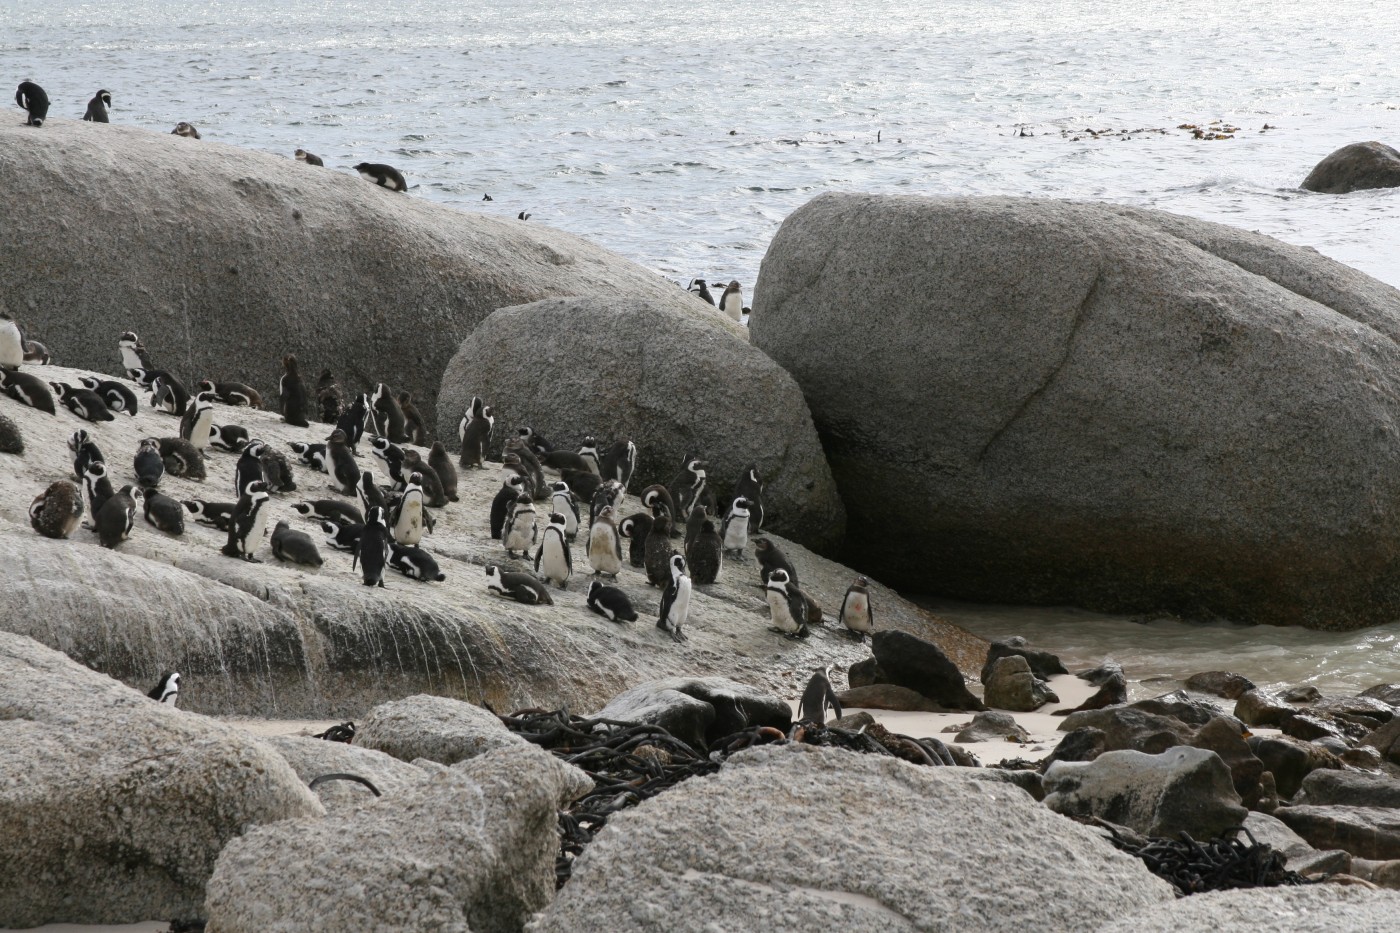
97 107
292 393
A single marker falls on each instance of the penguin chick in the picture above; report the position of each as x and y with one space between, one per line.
310 158
770 558
442 466
56 511
705 554
291 392
372 552
658 552
164 513
293 546
413 424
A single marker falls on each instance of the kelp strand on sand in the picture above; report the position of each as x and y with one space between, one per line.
1197 867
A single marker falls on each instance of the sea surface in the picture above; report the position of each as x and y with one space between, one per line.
680 135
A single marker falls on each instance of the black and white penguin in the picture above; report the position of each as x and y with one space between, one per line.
691 487
659 551
352 421
413 424
385 176
163 513
735 531
701 289
309 158
433 495
114 520
249 468
197 423
562 460
182 458
57 511
315 455
705 554
446 471
732 301
610 603
332 510
329 399
27 389
553 562
36 352
517 448
187 130
217 514
291 392
520 530
84 403
511 488
232 393
148 464
97 108
588 450
85 451
620 462
229 437
658 499
605 544
167 690
342 537
635 529
818 697
750 487
31 97
294 547
249 524
117 396
133 353
474 431
675 600
98 486
562 501
534 440
416 563
856 614
11 342
584 483
370 494
168 394
787 607
408 516
770 558
344 469
521 587
386 403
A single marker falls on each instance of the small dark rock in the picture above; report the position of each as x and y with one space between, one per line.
1083 744
1043 664
992 726
1224 736
921 665
864 673
1388 694
1349 789
1355 167
1178 705
1219 683
1259 708
1302 694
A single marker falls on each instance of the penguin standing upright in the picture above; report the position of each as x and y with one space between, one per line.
329 399
658 499
563 503
385 176
97 108
413 424
447 473
148 465
197 423
352 421
167 690
701 289
32 98
856 614
520 530
658 551
11 342
133 353
608 494
635 529
116 516
474 431
787 607
553 562
409 516
732 301
735 531
517 448
501 506
588 450
817 697
705 554
433 495
249 523
698 516
675 600
604 544
691 487
98 486
85 451
291 393
620 462
343 466
372 554
249 468
371 496
750 488
771 559
387 404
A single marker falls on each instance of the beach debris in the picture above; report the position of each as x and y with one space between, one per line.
1192 867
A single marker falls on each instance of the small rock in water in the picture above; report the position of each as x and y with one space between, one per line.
1219 683
1302 694
1388 694
1260 708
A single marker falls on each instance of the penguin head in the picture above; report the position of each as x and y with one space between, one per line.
778 580
493 572
337 437
740 507
78 439
593 589
375 516
95 470
257 490
559 488
61 389
415 481
106 97
557 519
301 155
149 444
677 566
89 382
129 339
861 582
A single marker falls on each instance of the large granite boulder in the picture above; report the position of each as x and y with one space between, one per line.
197 245
1011 685
1355 167
1349 789
436 728
113 807
753 859
1094 404
470 847
1368 832
698 710
1322 908
1126 728
675 383
313 758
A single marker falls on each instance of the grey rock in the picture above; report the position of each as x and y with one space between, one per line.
1134 729
890 697
1313 727
1355 167
1043 664
1349 789
852 722
1322 908
1290 760
113 808
1328 862
1369 832
680 384
698 710
740 869
1181 790
1362 756
1388 694
1303 693
1012 686
436 728
1224 736
864 673
992 726
312 758
1364 711
1029 369
1220 683
1384 874
912 662
469 848
1082 744
1260 708
1178 705
1386 741
1027 780
1273 832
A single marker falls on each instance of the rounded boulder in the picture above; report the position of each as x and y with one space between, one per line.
1354 168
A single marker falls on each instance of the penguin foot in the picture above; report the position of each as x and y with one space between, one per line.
251 559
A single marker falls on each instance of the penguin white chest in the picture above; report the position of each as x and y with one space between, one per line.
256 532
11 346
779 611
604 550
855 614
680 608
408 529
553 562
203 428
736 535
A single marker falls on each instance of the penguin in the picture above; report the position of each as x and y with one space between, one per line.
84 403
187 130
433 496
734 533
658 499
276 470
408 517
249 468
534 440
57 510
316 456
516 447
675 600
588 450
562 460
36 352
145 378
658 551
11 342
511 466
619 462
553 561
604 545
384 401
342 537
309 158
563 503
817 697
148 465
329 400
27 389
169 395
98 486
413 424
294 547
97 108
85 451
344 469
372 553
771 559
249 523
750 487
584 483
501 506
182 458
11 440
32 98
856 614
691 487
415 562
732 301
117 396
609 493
232 393
167 690
694 523
291 392
520 587
230 437
701 289
217 514
369 493
133 353
705 554
635 529
474 432
352 421
164 513
520 531
610 603
330 510
114 520
442 466
197 423
385 176
787 607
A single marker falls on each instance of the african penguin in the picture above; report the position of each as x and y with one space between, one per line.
787 607
164 513
520 531
36 352
57 510
433 495
11 342
517 448
291 392
249 468
447 473
198 420
385 176
705 554
553 561
117 396
316 456
474 431
370 494
732 301
658 499
584 483
604 544
232 393
675 600
658 551
85 451
372 552
385 402
856 614
521 587
98 486
588 450
277 470
133 353
97 108
309 158
218 514
408 517
329 400
249 523
635 529
84 403
230 437
27 389
416 563
534 440
182 458
342 537
330 510
735 531
562 460
610 603
295 547
693 524
148 464
562 501
750 487
352 421
619 462
32 98
608 494
817 697
169 395
344 469
114 520
701 289
770 558
413 423
167 690
691 487
501 506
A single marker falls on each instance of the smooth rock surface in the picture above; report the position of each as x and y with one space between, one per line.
1010 685
1096 405
888 696
1368 832
676 383
436 728
1043 664
991 726
1290 760
698 710
1324 908
1349 789
1224 736
756 860
311 758
913 662
1125 728
1355 167
1261 708
1225 684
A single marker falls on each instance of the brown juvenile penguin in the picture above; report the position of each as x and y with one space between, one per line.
412 420
292 392
442 466
658 552
56 511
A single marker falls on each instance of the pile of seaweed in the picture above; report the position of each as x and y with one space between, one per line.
1194 867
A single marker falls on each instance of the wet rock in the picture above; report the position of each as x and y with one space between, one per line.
1364 711
1305 693
1112 684
1370 832
1134 729
469 848
1224 736
1362 756
1180 790
436 728
1386 741
853 722
1384 875
920 665
1219 683
311 758
1349 789
1312 727
1290 760
1272 831
1319 908
1106 673
1083 744
864 673
740 871
1355 167
1012 686
991 726
1178 705
1043 664
890 697
698 710
1388 694
1259 708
